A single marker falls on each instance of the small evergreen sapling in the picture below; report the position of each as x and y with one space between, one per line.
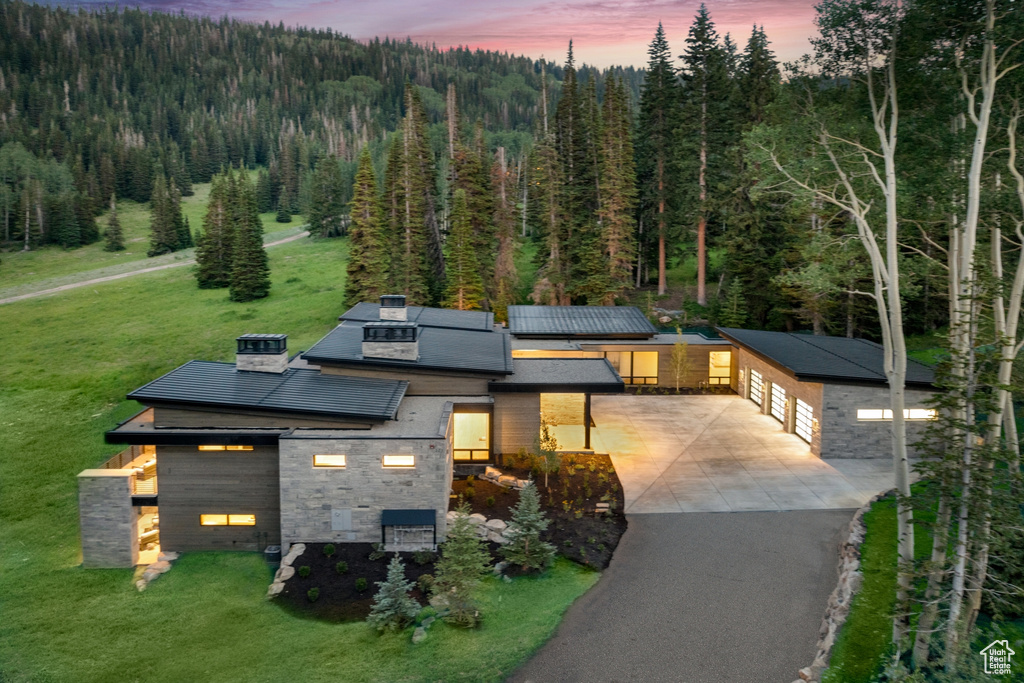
393 607
463 563
114 235
525 548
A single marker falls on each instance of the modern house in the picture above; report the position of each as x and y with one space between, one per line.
358 438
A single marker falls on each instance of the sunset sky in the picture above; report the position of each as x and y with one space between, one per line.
604 32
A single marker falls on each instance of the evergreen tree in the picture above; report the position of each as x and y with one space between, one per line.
506 278
368 255
618 194
706 132
264 192
463 564
114 236
181 228
250 271
470 173
545 192
326 204
393 607
656 170
163 227
758 77
525 547
464 289
283 212
216 242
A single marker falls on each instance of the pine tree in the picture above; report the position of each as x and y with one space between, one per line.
706 132
163 229
114 236
326 207
181 228
216 242
250 271
369 253
463 563
393 607
505 276
758 77
464 288
264 192
525 547
545 179
656 170
618 193
283 212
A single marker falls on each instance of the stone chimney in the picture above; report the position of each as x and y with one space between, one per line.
392 307
391 339
262 353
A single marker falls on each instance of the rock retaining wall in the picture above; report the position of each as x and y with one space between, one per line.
850 580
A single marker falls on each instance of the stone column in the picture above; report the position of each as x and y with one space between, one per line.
108 521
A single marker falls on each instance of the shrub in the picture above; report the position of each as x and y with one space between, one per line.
304 571
312 594
377 552
422 557
361 584
393 607
470 492
341 567
425 582
567 543
470 479
489 502
329 549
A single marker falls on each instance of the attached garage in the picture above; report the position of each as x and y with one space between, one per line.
832 392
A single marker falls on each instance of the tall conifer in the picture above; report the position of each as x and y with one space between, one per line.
114 236
368 256
618 192
505 277
163 228
464 289
216 242
250 271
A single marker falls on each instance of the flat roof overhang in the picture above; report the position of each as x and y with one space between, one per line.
408 517
556 388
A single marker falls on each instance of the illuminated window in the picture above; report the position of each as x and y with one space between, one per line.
779 403
225 448
472 437
227 520
804 426
756 387
635 367
328 461
399 461
868 414
719 367
213 520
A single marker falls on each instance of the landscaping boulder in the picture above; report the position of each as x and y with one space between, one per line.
419 635
496 525
168 556
275 589
160 567
284 573
477 519
507 480
293 554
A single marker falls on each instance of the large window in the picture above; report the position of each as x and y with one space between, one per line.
635 367
779 403
329 461
719 367
472 438
565 415
227 520
804 426
225 448
880 414
756 387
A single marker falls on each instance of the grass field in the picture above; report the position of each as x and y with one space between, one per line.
71 358
25 271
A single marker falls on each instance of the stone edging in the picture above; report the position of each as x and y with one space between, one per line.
850 580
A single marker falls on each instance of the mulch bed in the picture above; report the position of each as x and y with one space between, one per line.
575 529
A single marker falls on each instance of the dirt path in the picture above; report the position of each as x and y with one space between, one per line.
119 276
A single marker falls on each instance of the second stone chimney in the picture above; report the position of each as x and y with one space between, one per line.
391 339
262 353
392 307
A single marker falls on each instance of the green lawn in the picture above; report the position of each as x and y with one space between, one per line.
25 271
70 359
864 643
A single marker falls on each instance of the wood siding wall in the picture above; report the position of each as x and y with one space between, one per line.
194 483
516 422
698 355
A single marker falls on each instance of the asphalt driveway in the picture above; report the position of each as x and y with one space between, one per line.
701 598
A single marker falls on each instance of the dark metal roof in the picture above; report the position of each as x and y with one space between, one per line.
408 518
579 321
561 375
426 317
439 348
817 358
294 391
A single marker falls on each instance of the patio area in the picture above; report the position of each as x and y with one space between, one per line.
719 454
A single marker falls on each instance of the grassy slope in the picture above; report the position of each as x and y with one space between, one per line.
71 358
22 272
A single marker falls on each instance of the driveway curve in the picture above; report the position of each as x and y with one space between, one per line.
701 598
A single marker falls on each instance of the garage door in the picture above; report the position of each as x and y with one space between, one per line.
756 387
779 403
804 418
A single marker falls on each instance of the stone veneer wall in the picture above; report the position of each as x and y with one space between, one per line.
846 437
262 362
363 487
810 393
109 523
